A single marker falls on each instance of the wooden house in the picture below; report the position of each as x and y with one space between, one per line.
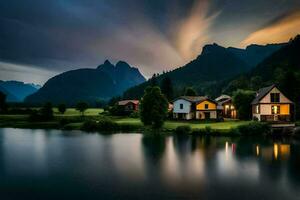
271 105
129 105
226 107
194 107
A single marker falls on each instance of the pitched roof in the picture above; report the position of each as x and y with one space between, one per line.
124 102
195 99
262 93
223 97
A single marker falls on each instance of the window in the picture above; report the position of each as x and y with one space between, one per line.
181 106
206 106
275 110
275 97
257 109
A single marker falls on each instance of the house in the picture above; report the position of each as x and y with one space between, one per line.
206 109
226 107
194 107
129 105
271 105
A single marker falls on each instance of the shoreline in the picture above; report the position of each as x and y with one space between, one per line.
133 125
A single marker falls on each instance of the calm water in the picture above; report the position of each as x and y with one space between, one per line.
39 164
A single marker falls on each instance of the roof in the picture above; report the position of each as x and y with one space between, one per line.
262 93
195 99
124 102
223 97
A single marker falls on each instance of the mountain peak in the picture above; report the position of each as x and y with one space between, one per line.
123 64
210 48
107 62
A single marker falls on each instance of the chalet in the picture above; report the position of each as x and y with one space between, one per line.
194 107
271 105
129 105
206 109
226 107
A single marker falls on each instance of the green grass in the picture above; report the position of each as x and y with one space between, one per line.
171 125
73 112
75 121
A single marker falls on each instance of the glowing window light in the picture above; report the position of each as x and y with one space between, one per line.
257 150
275 151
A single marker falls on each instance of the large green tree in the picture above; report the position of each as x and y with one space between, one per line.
81 107
47 111
167 88
153 107
242 101
62 108
289 84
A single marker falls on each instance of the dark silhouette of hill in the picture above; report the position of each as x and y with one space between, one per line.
211 69
17 91
90 85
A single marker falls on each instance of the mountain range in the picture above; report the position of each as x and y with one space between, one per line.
90 85
16 91
216 70
211 69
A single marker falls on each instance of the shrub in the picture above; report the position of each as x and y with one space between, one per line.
107 125
254 128
101 125
89 126
134 115
183 129
208 129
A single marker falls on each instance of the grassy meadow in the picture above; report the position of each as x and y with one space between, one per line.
72 120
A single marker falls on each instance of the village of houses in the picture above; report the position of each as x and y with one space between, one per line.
270 105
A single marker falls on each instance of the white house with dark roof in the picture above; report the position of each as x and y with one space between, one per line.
271 105
198 107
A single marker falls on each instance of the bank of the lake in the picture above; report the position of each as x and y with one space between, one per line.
76 122
95 120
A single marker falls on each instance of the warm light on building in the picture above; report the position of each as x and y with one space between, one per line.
275 151
257 150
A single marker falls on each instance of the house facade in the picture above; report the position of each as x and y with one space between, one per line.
188 108
226 107
271 105
129 105
182 109
206 109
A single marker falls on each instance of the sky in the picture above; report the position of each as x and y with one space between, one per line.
39 39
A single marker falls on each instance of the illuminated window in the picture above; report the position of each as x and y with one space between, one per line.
257 109
275 97
206 106
275 110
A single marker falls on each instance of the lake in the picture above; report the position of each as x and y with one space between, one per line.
53 164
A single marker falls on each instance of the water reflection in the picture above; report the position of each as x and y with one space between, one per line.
148 166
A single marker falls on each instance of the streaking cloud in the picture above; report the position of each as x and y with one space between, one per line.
280 30
193 32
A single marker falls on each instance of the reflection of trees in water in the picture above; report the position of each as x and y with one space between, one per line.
182 144
154 146
293 166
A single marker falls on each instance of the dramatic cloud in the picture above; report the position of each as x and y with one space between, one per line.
280 30
28 74
193 32
55 36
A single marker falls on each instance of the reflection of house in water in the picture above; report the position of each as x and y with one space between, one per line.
275 152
